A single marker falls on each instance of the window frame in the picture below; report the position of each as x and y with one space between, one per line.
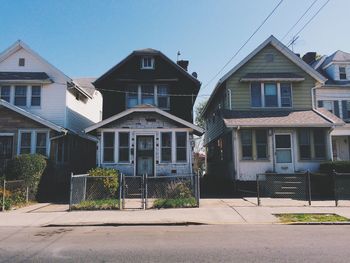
143 64
254 145
35 96
342 73
166 147
279 95
33 140
155 96
312 146
159 95
181 147
124 147
2 87
16 87
108 147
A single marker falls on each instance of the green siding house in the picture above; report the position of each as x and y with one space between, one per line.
261 117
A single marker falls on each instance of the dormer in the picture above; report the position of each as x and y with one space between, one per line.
337 66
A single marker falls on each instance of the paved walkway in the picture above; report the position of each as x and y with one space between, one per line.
212 211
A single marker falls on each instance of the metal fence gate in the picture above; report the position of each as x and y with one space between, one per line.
133 192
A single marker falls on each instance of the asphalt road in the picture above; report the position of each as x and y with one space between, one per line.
229 243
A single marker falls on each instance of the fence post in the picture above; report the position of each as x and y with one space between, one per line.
27 194
198 189
71 192
120 190
309 185
146 191
123 191
257 189
3 196
335 187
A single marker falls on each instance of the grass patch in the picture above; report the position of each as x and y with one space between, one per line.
175 203
311 218
104 204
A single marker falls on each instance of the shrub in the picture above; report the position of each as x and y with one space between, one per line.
104 204
178 189
27 167
338 166
175 203
111 180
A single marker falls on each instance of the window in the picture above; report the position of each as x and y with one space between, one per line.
147 63
256 94
261 144
20 95
147 94
181 149
124 147
108 147
270 92
163 97
286 95
304 144
269 58
36 96
342 73
328 104
319 143
21 62
41 138
247 144
166 146
312 144
25 146
132 96
5 93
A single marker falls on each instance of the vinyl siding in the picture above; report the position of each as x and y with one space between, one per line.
301 91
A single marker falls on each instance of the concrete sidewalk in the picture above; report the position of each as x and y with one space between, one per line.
212 211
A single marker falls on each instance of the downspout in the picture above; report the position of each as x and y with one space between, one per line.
313 96
330 142
237 153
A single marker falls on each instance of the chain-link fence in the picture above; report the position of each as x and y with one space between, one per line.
14 194
133 192
272 186
94 192
169 191
341 189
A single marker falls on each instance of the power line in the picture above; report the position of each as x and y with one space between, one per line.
307 10
308 22
245 43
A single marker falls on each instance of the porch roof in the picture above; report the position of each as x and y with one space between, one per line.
37 77
342 131
146 108
281 118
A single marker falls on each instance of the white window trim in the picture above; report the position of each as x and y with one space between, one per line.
143 64
161 147
346 75
33 137
31 96
186 147
118 147
279 102
28 94
102 148
139 97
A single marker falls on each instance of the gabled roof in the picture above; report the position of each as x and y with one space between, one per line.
338 56
19 44
145 108
148 51
279 46
32 116
86 85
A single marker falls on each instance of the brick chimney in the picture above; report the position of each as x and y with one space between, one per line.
309 57
183 64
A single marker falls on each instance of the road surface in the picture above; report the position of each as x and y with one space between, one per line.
225 243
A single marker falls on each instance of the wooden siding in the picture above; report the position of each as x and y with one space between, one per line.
301 91
164 73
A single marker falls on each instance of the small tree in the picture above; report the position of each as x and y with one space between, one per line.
199 120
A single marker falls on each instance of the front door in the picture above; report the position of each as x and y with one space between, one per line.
6 150
145 155
284 153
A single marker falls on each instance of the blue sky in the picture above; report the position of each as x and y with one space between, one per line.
86 37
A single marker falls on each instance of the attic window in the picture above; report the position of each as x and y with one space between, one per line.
269 57
342 73
147 63
21 62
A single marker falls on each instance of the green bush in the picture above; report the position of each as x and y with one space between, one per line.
27 167
104 204
338 166
111 182
178 190
175 203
